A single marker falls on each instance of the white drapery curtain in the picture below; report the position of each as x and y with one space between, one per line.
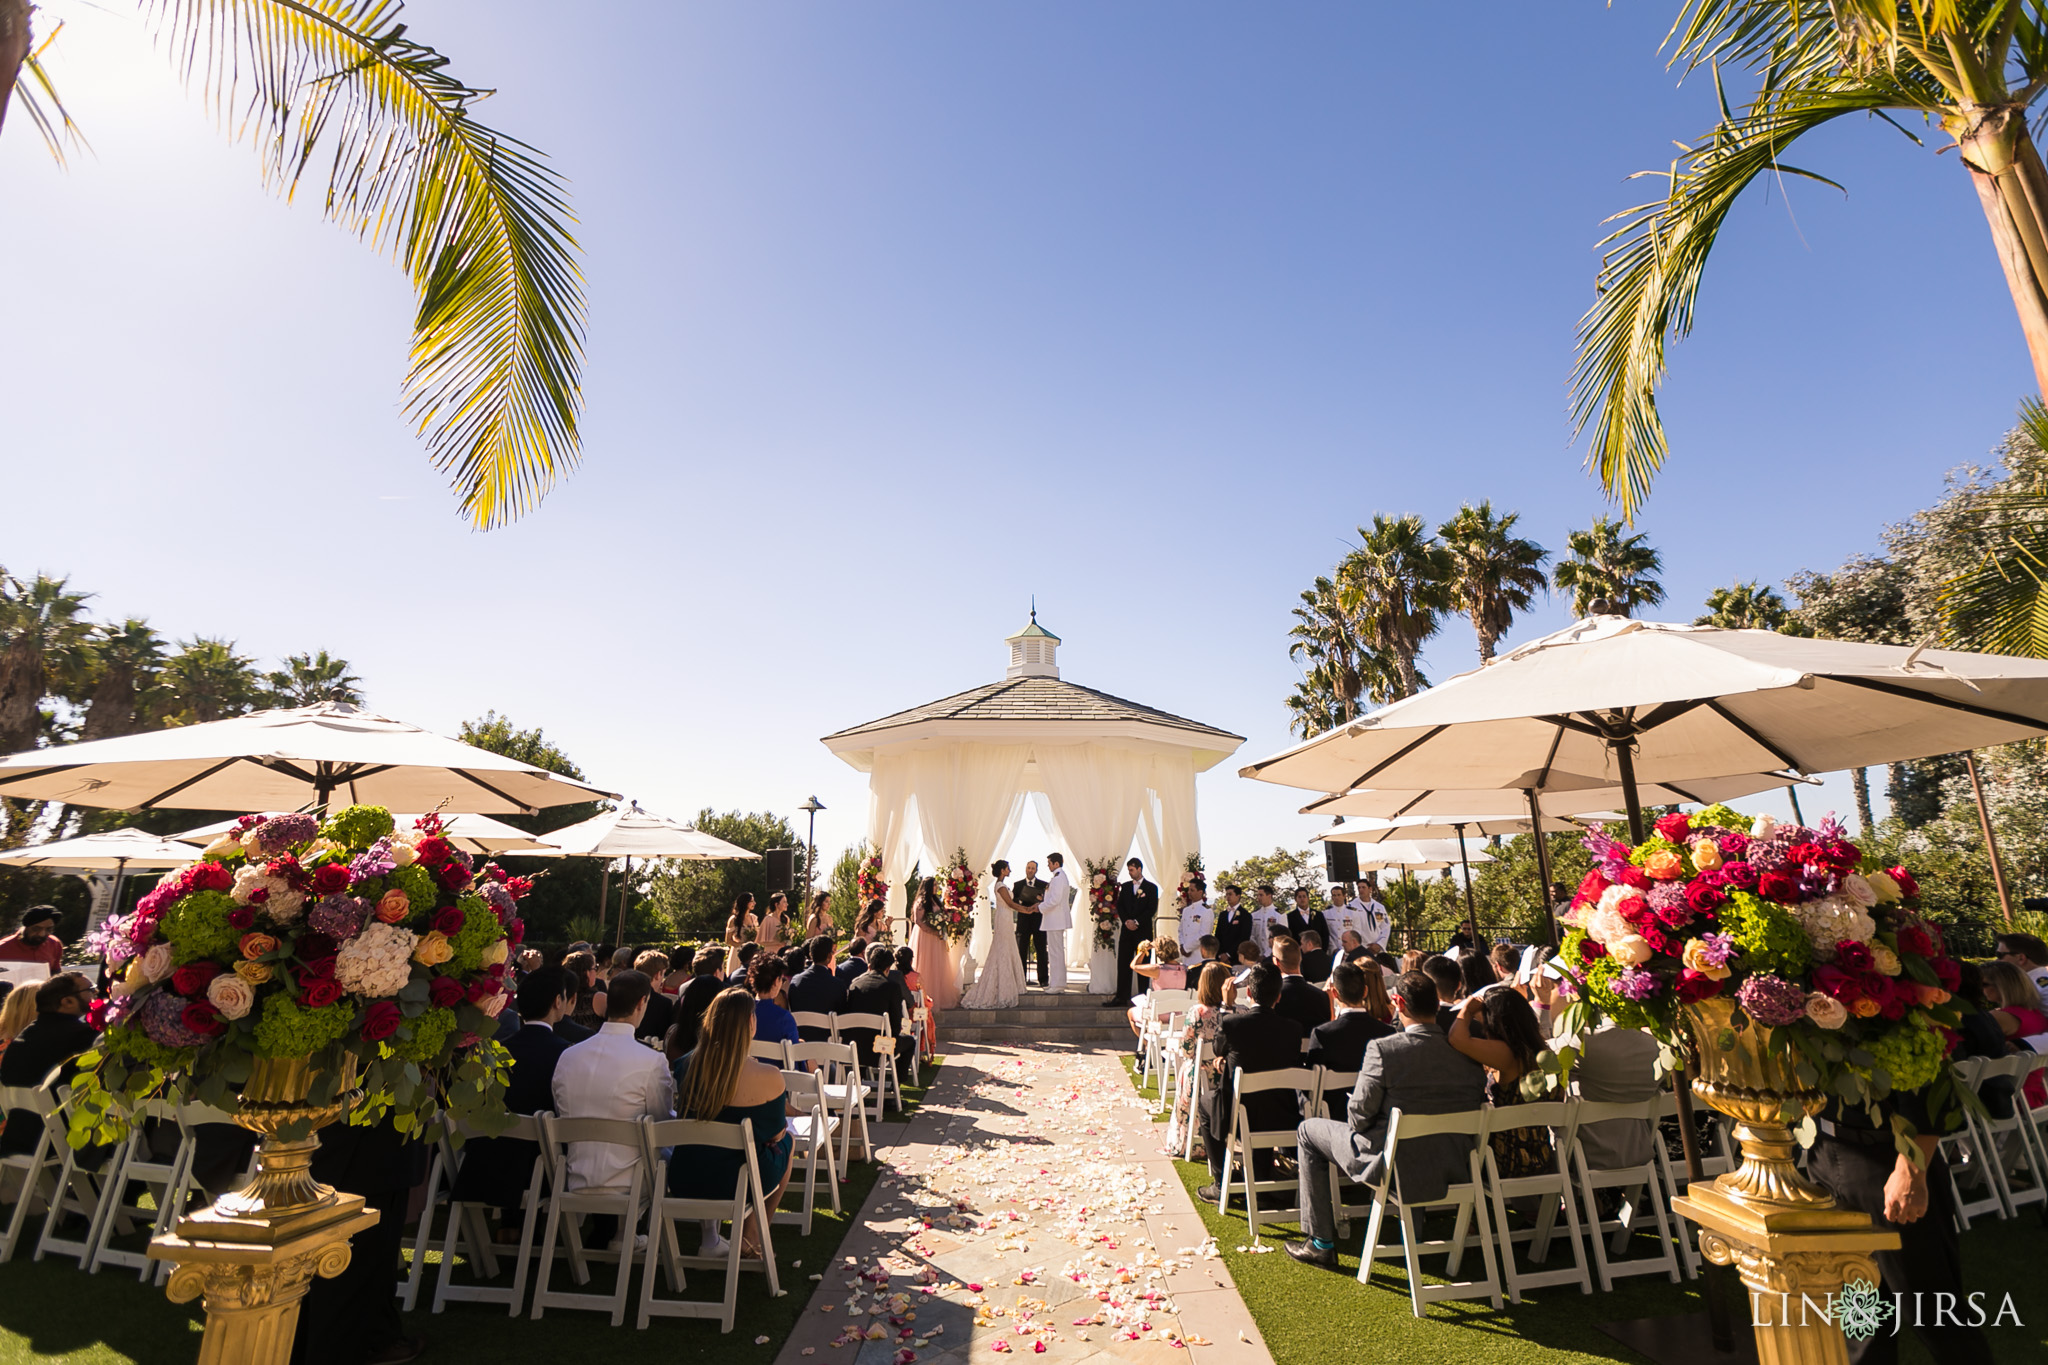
1095 793
1167 829
969 797
892 825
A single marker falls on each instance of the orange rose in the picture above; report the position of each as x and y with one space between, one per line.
255 973
393 906
433 950
257 945
1866 1008
1664 865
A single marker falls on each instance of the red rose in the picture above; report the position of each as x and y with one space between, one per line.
1804 854
318 968
191 978
1948 974
1734 845
1694 985
258 894
482 989
241 917
449 921
1907 885
210 877
1916 940
1635 877
432 849
492 872
1592 950
452 875
1852 956
444 991
380 1021
496 971
316 992
1832 980
1895 1002
1703 897
1674 916
200 1018
331 879
1778 886
1675 826
1590 889
1741 876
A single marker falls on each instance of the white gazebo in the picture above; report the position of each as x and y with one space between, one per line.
1106 775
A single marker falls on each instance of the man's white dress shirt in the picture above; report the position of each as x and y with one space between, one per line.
1264 920
610 1076
1196 920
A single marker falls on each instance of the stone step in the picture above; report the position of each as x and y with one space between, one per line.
1023 1033
1029 1014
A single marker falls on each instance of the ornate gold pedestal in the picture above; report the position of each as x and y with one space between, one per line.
252 1254
1787 1239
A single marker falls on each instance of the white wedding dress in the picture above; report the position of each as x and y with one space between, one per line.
1001 983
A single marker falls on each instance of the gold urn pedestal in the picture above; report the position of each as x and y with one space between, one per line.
252 1254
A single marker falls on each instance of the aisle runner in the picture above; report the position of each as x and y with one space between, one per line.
1020 1218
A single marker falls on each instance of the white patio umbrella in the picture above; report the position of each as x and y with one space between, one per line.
1452 827
471 833
1417 855
630 833
282 760
116 850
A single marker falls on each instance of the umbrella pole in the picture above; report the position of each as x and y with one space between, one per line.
625 885
1793 793
1471 912
1542 866
604 897
1990 839
1625 761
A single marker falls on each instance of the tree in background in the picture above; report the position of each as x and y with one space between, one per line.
207 681
1864 601
1494 572
125 666
696 898
45 634
1326 636
1748 606
1601 561
565 889
308 679
844 885
1397 585
1283 870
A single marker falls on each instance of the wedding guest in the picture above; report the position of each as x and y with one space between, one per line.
1202 1023
1450 985
36 940
2025 952
1507 962
1468 939
1416 1071
817 989
1137 910
1162 969
1616 1066
911 979
1339 1045
855 962
497 1170
1248 957
1377 1002
934 949
1353 949
2016 1009
17 1012
1304 917
611 1076
1475 974
719 1081
693 999
1233 922
1258 1039
1315 959
773 1023
58 1034
661 1010
1267 919
581 964
1498 1030
740 958
872 992
621 961
1207 950
818 923
1299 1000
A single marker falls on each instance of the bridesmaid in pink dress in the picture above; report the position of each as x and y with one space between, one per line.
934 951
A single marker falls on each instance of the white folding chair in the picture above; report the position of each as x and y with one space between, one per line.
2010 1142
1163 1009
886 1083
440 1181
812 1019
1333 1088
1969 1162
666 1210
191 1117
79 1191
920 1023
134 1163
1243 1140
1467 1200
1191 1125
1646 1184
812 1131
838 1066
2037 1115
469 1230
1552 1187
770 1051
565 1208
35 1168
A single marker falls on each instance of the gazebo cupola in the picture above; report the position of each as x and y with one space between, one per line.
1033 651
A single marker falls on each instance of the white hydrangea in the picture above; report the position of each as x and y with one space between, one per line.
377 962
278 900
1832 919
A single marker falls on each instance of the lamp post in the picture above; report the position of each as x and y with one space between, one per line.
810 808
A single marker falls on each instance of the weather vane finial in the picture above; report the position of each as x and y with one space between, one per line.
1034 608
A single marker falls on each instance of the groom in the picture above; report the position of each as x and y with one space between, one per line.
1028 894
1056 919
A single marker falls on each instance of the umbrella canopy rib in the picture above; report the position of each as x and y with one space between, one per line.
1425 737
462 772
170 792
1930 699
1756 737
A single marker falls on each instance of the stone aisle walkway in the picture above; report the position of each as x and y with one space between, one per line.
1027 1210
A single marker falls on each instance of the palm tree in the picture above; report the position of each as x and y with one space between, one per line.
207 681
1605 563
1317 704
1495 573
307 679
126 661
1397 584
44 626
1327 635
1971 67
475 218
1746 606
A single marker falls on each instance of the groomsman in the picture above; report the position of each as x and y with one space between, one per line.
1266 918
1233 922
1056 916
1196 918
1378 925
1137 908
1029 894
1303 918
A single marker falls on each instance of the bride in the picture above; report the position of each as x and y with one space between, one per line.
1001 982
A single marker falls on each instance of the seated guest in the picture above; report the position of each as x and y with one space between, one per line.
1160 969
907 976
1299 1001
1258 1039
1353 949
612 1076
1376 1002
2025 953
1247 958
856 960
719 1082
497 1170
1202 1024
1207 950
58 1034
817 989
1416 1071
1450 986
2016 1009
583 1021
1340 1044
1616 1066
1498 1030
1507 961
773 1023
36 940
872 992
661 1009
741 963
694 998
18 1011
1475 974
1315 959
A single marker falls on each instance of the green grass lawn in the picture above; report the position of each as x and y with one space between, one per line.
1306 1313
49 1312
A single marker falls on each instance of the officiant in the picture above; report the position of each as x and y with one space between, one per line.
1029 894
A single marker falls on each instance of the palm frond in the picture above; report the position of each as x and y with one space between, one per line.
335 89
36 95
2001 605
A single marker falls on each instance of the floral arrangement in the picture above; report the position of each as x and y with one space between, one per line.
867 880
1102 902
1830 954
962 890
290 937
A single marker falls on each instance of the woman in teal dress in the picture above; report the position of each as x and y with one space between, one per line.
719 1082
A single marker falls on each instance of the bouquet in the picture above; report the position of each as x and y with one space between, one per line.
1102 902
963 890
1828 952
867 880
292 937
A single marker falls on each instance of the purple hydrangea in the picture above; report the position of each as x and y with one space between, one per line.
281 832
498 898
374 861
1637 984
1767 855
1666 895
337 916
1815 883
112 942
161 1016
1716 949
1772 1001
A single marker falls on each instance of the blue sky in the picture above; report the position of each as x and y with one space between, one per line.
902 313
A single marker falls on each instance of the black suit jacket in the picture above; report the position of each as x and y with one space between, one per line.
1258 1040
48 1043
1138 901
495 1170
1232 928
1315 966
1035 890
816 990
872 993
661 1012
1302 1003
535 1049
1299 924
1340 1044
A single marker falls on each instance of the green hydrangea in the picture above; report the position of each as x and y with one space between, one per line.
288 1029
418 885
1599 989
429 1035
1721 816
1910 1055
480 929
136 1045
1771 939
197 926
1656 843
358 826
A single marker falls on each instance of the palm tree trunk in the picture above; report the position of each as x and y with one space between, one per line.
2012 187
21 689
1485 649
1861 777
17 35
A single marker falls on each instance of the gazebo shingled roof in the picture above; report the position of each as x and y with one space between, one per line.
1034 699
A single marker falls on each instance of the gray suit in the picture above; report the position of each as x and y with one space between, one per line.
1416 1071
1617 1066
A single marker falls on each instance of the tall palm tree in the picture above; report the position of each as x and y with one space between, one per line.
207 681
1495 573
309 678
126 662
43 624
1326 635
1973 68
1397 583
474 217
1746 606
1603 562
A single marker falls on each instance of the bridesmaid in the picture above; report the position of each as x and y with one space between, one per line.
934 953
819 922
874 923
774 928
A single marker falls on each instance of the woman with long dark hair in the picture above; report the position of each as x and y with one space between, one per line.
819 922
1498 1030
717 1081
934 950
